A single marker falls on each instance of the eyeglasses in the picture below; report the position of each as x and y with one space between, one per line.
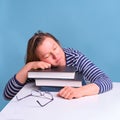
37 93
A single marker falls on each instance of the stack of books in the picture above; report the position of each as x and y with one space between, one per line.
56 76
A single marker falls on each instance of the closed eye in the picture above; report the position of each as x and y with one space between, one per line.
46 56
54 48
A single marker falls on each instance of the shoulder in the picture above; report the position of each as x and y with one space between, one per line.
71 51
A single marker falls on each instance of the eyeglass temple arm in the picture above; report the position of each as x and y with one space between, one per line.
44 104
22 97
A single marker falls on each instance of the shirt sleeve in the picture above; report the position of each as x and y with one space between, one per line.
92 73
12 88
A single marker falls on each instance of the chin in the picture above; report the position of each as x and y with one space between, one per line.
57 65
61 65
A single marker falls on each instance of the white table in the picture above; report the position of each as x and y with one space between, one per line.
105 106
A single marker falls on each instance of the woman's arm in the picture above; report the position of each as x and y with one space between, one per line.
99 81
21 76
86 90
12 88
18 81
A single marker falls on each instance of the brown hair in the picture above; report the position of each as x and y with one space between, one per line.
33 42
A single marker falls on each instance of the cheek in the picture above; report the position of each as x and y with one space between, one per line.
59 50
48 60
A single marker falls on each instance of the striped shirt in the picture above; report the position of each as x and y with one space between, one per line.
81 63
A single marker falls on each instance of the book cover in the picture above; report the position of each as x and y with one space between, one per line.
76 82
64 72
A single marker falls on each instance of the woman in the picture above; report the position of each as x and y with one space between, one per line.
44 51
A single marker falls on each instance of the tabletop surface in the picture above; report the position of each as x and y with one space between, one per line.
104 106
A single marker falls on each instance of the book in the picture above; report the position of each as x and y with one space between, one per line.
76 82
64 72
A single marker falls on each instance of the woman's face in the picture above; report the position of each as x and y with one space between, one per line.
51 52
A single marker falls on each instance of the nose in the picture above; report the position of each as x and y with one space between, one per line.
54 55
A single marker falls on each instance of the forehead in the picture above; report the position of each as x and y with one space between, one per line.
47 42
46 45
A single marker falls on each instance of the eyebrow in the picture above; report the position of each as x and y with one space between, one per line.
49 52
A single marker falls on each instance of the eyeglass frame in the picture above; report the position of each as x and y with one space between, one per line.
42 94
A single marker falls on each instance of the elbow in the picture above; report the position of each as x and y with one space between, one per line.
104 83
107 85
6 96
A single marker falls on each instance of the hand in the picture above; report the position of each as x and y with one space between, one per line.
38 64
70 93
21 76
86 90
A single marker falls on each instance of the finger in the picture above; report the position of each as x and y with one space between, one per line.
44 65
70 96
62 90
67 95
65 92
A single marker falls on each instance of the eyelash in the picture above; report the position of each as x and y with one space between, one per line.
46 56
54 48
49 54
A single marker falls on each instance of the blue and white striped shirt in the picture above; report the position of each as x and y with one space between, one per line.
82 64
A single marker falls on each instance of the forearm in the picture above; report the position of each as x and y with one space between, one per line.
87 90
100 85
12 88
92 73
21 76
104 83
16 83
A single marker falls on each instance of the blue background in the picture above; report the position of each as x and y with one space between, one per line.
91 26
